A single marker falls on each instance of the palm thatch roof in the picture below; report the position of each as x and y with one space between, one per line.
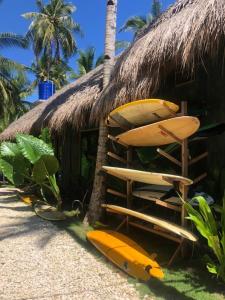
72 104
179 40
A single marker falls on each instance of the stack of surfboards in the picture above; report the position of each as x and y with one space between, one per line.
150 122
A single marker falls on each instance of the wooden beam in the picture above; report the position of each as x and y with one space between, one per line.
116 193
178 140
170 157
117 157
114 139
163 234
198 158
119 124
199 178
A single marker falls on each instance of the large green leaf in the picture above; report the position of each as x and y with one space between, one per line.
46 166
9 149
14 169
32 147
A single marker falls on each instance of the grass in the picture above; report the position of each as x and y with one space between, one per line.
186 280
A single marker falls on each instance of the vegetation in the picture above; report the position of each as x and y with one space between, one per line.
11 91
86 61
51 34
32 160
212 231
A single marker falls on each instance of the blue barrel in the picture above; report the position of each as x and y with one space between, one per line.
46 89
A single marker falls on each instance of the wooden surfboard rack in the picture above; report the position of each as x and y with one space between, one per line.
183 164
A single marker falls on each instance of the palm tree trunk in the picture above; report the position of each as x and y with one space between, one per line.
98 192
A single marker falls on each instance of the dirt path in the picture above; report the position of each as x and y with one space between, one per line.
39 261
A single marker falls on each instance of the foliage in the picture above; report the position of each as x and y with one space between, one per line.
32 159
52 28
45 136
11 105
136 23
59 72
86 61
208 227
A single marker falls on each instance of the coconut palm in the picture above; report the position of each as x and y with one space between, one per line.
98 192
86 61
136 23
59 73
52 29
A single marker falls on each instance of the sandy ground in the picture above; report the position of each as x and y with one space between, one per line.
40 261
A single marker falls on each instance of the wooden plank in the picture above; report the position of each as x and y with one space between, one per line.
170 157
158 201
116 140
163 234
116 193
199 178
117 157
198 158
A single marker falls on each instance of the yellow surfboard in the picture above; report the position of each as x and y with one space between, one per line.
146 177
126 254
138 113
161 133
173 228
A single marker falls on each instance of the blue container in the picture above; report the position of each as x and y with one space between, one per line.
46 89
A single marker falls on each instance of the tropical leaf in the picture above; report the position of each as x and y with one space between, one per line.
46 166
14 169
32 147
9 149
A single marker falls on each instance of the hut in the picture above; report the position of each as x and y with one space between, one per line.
179 57
66 114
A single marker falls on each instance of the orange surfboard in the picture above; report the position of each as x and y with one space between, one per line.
126 254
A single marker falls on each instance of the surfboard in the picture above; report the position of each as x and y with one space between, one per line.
173 228
126 254
154 196
141 112
146 177
160 133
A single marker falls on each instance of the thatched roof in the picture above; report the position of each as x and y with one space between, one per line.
178 41
71 104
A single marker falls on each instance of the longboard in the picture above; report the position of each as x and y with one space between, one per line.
161 133
141 112
146 177
178 230
126 254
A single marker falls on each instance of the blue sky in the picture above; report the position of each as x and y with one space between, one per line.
90 15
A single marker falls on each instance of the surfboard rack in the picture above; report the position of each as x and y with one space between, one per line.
175 205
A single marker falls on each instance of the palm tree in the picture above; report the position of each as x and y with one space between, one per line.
52 28
98 192
18 90
86 61
8 69
136 23
59 72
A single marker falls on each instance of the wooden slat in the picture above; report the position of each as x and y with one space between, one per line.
163 234
114 139
201 177
116 193
117 157
170 157
119 124
170 134
198 158
159 202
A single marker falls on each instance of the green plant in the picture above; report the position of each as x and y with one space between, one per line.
213 232
30 159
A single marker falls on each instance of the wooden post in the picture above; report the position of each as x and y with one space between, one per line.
184 160
184 189
129 184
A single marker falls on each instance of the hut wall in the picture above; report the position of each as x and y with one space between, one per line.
69 156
